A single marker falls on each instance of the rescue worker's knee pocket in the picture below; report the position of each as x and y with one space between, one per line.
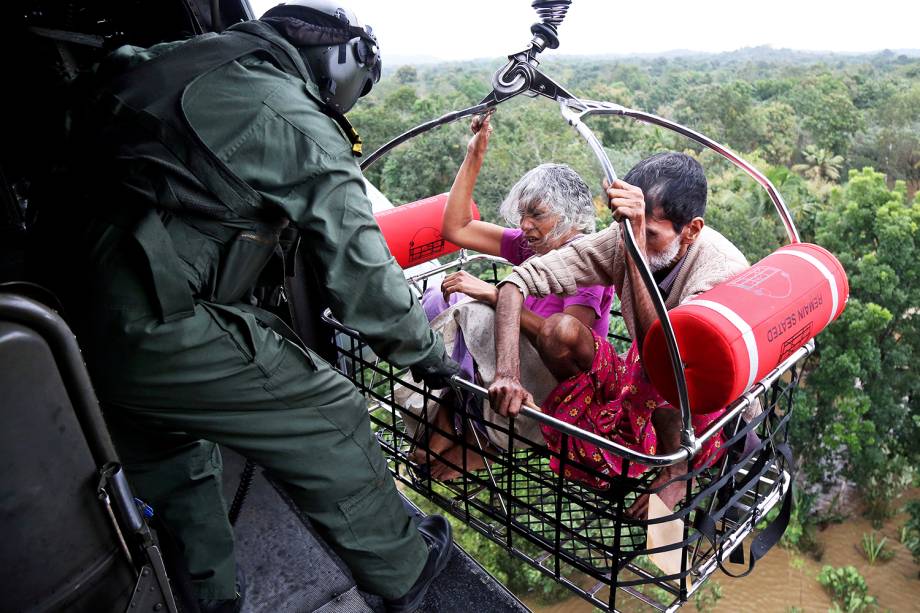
373 515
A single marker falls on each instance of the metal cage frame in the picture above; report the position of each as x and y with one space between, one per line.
579 536
566 530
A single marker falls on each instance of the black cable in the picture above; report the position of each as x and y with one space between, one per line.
248 474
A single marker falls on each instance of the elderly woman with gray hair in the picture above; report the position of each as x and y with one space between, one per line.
551 207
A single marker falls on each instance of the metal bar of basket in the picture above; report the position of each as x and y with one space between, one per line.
712 502
585 108
534 413
518 76
648 600
737 536
761 386
651 460
454 263
683 454
482 452
422 128
573 111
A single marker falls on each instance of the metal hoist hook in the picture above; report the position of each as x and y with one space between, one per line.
518 76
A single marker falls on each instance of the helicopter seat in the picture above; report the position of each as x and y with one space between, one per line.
63 549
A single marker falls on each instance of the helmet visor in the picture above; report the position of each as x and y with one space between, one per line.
369 55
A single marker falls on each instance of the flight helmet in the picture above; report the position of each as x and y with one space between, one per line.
342 53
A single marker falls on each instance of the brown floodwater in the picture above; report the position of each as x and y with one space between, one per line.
783 579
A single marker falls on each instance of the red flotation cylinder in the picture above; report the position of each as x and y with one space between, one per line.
413 231
737 332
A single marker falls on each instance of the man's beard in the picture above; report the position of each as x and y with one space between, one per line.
662 259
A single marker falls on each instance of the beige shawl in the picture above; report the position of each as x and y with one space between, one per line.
599 259
476 321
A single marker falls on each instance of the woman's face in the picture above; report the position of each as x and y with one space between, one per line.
538 222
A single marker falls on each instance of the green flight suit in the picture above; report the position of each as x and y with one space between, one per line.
174 387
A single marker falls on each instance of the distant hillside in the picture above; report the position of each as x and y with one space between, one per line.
833 111
762 53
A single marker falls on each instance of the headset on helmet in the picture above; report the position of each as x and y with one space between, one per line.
341 52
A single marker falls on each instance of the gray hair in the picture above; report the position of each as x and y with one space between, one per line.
560 188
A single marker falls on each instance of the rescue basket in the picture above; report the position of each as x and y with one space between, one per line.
583 537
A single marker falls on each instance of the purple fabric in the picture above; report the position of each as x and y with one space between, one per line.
433 304
516 250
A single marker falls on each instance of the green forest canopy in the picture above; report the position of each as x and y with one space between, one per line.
839 136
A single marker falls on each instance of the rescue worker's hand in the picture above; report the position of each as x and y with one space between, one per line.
435 375
506 395
482 129
465 283
628 202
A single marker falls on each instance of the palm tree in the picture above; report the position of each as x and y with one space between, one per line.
820 164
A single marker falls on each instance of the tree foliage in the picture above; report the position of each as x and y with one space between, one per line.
820 164
860 397
848 589
838 137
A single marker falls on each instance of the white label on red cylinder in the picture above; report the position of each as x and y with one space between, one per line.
746 333
823 270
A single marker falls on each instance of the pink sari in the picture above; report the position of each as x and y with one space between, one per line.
614 400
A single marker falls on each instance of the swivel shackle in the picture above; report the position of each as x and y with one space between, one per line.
551 13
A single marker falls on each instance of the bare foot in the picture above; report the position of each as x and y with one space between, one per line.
438 443
670 495
443 470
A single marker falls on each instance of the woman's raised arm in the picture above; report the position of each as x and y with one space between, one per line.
458 225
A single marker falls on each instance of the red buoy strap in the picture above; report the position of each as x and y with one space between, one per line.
746 333
835 299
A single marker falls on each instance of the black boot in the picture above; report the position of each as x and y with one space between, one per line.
436 531
229 605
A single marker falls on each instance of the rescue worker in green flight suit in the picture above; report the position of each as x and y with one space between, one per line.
211 147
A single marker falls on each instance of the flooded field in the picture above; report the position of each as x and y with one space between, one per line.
784 580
